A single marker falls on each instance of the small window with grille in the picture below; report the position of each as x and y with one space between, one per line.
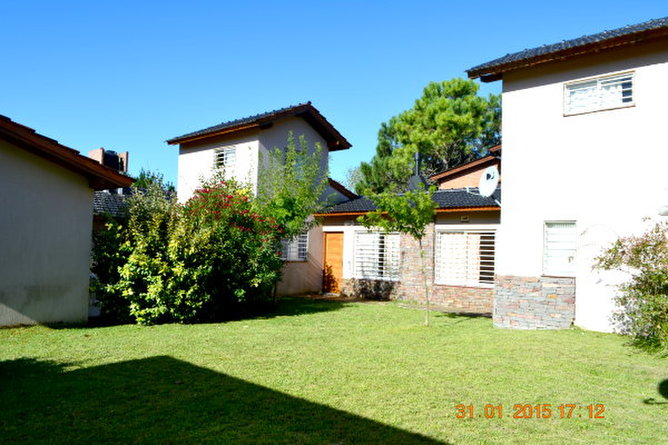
376 256
225 158
465 258
295 249
602 93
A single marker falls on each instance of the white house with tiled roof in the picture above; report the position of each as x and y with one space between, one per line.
584 161
240 147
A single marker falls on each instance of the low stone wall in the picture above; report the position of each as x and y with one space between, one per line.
534 302
456 298
466 299
370 289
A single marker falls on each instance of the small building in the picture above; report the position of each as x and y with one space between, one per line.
46 196
241 148
110 202
459 247
584 162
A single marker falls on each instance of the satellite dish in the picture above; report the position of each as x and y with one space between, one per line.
488 181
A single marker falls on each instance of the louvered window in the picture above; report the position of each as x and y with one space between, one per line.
559 248
377 256
226 158
598 94
465 258
295 249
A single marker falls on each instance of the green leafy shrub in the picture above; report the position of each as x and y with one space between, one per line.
110 253
644 298
217 255
205 260
223 253
152 217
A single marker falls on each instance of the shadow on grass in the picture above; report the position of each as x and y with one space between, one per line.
662 389
288 306
164 400
463 315
285 306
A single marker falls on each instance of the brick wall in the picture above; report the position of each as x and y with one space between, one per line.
534 302
466 178
411 285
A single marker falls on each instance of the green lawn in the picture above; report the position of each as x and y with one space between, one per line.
323 372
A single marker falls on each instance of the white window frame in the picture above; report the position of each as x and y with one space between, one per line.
225 158
379 258
296 249
552 270
476 265
597 88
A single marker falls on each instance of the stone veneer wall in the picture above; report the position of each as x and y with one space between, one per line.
534 302
411 285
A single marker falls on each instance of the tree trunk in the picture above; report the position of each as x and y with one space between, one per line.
424 279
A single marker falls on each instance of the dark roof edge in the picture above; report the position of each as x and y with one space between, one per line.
335 140
493 70
336 185
363 205
99 177
493 153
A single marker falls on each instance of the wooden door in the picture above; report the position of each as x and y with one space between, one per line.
333 264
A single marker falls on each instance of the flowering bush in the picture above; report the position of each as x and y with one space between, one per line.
215 255
644 298
223 252
205 260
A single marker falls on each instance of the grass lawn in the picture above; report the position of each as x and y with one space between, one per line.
324 372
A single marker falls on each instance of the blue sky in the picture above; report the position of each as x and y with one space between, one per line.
129 75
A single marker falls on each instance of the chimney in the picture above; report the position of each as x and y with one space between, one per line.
97 155
111 159
415 180
124 158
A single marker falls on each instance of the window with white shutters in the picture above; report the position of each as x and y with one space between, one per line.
295 249
225 158
465 258
602 93
559 248
376 256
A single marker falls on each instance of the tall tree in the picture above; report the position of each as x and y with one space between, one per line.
449 125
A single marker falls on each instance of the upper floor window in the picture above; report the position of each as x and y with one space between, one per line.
295 249
225 158
602 93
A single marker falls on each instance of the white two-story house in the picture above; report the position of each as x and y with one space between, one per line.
584 161
241 148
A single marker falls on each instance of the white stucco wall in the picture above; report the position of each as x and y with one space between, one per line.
45 240
196 161
604 170
304 277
